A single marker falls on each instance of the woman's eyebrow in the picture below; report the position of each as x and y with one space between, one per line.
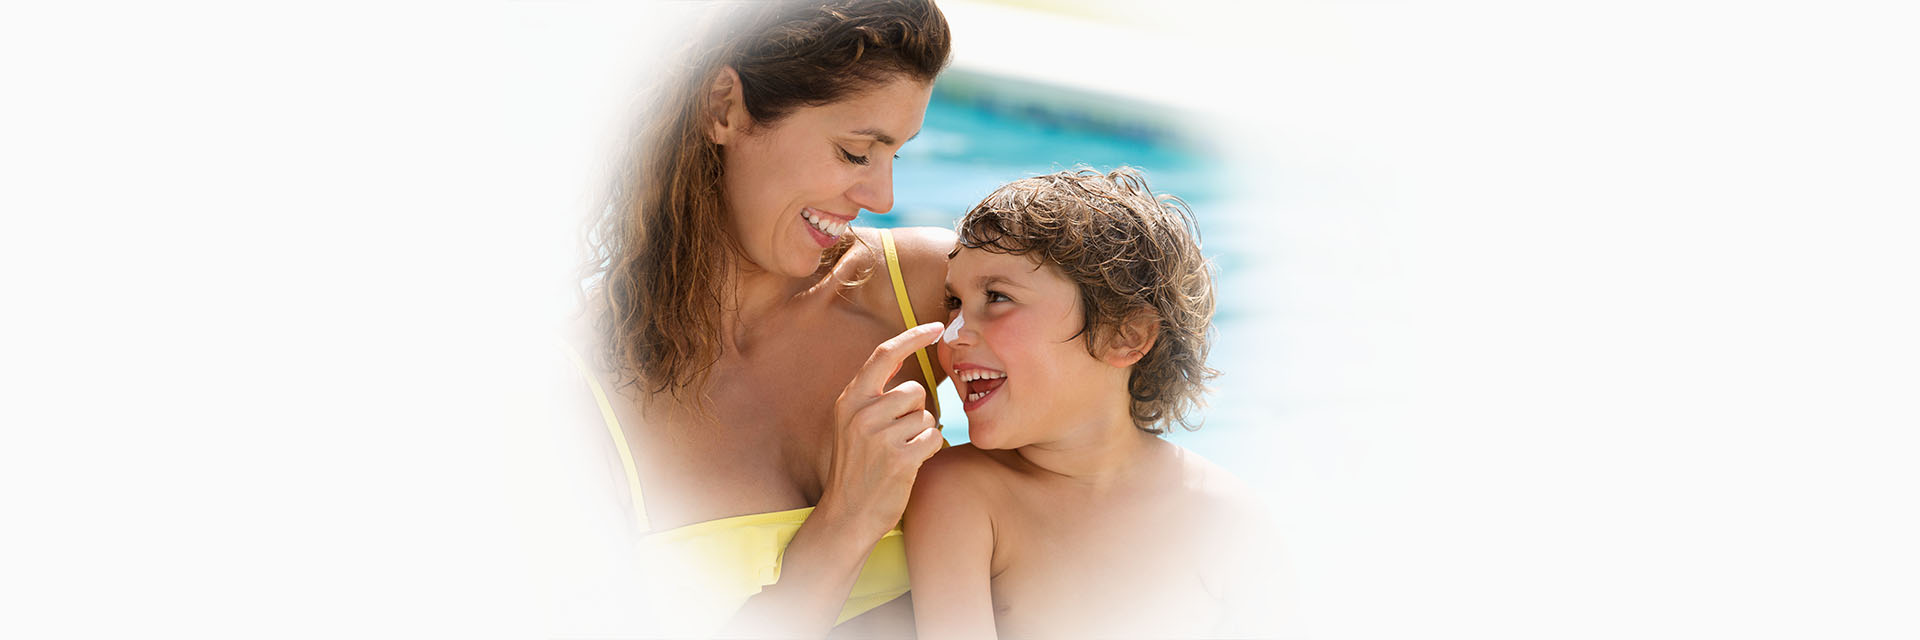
881 136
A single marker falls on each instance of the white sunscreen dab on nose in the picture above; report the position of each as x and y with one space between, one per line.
953 330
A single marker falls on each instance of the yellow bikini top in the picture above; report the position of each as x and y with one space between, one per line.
741 555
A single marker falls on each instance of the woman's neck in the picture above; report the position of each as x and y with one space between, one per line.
755 296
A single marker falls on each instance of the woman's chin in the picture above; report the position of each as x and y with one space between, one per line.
793 262
805 260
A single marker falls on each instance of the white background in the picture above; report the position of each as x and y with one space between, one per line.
1599 317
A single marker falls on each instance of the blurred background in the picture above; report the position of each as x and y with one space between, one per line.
1537 320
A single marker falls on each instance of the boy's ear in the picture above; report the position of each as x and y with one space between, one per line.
1131 341
726 110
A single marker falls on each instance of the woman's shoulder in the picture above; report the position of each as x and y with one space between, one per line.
922 252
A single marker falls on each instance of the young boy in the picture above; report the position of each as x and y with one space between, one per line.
1078 335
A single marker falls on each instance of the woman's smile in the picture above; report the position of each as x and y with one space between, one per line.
825 228
799 166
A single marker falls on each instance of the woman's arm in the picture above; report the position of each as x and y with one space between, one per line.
817 571
881 437
950 549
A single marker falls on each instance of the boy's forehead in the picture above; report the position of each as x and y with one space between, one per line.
982 261
970 265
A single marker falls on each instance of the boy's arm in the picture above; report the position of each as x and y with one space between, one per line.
950 549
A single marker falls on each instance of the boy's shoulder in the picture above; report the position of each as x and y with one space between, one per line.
966 473
965 463
1213 487
959 483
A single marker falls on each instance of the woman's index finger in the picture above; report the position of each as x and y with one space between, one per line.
890 355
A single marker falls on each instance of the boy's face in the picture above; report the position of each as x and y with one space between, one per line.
1021 372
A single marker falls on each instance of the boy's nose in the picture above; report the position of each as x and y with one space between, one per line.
953 327
959 333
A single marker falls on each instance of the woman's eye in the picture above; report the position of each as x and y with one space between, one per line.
859 160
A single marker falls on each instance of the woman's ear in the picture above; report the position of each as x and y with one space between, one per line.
1131 341
726 110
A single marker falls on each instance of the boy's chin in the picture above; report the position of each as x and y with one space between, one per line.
987 439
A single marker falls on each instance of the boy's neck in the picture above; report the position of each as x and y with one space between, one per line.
1099 453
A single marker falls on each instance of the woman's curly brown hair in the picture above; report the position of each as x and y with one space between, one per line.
660 250
1129 252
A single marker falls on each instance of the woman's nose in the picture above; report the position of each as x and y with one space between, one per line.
874 192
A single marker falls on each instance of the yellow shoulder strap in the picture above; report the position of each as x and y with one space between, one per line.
906 311
619 438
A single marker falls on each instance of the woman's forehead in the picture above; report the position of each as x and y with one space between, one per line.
890 113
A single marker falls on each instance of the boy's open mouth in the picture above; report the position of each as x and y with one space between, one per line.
976 385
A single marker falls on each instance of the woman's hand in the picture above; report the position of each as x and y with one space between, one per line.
880 438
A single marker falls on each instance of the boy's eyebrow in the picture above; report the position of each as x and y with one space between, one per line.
983 282
881 136
988 281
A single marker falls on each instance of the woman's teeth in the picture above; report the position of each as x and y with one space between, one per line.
826 225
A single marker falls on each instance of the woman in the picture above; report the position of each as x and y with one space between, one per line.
755 378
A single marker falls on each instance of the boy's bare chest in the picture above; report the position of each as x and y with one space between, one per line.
1080 570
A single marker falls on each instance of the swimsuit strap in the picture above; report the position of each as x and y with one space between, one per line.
906 311
619 438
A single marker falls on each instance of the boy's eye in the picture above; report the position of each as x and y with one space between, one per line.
995 296
859 160
952 303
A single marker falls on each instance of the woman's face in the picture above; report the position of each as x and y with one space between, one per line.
1022 373
794 187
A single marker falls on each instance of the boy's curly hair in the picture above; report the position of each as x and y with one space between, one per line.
1128 251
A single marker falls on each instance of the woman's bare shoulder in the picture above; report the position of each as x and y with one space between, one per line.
923 248
923 268
923 265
